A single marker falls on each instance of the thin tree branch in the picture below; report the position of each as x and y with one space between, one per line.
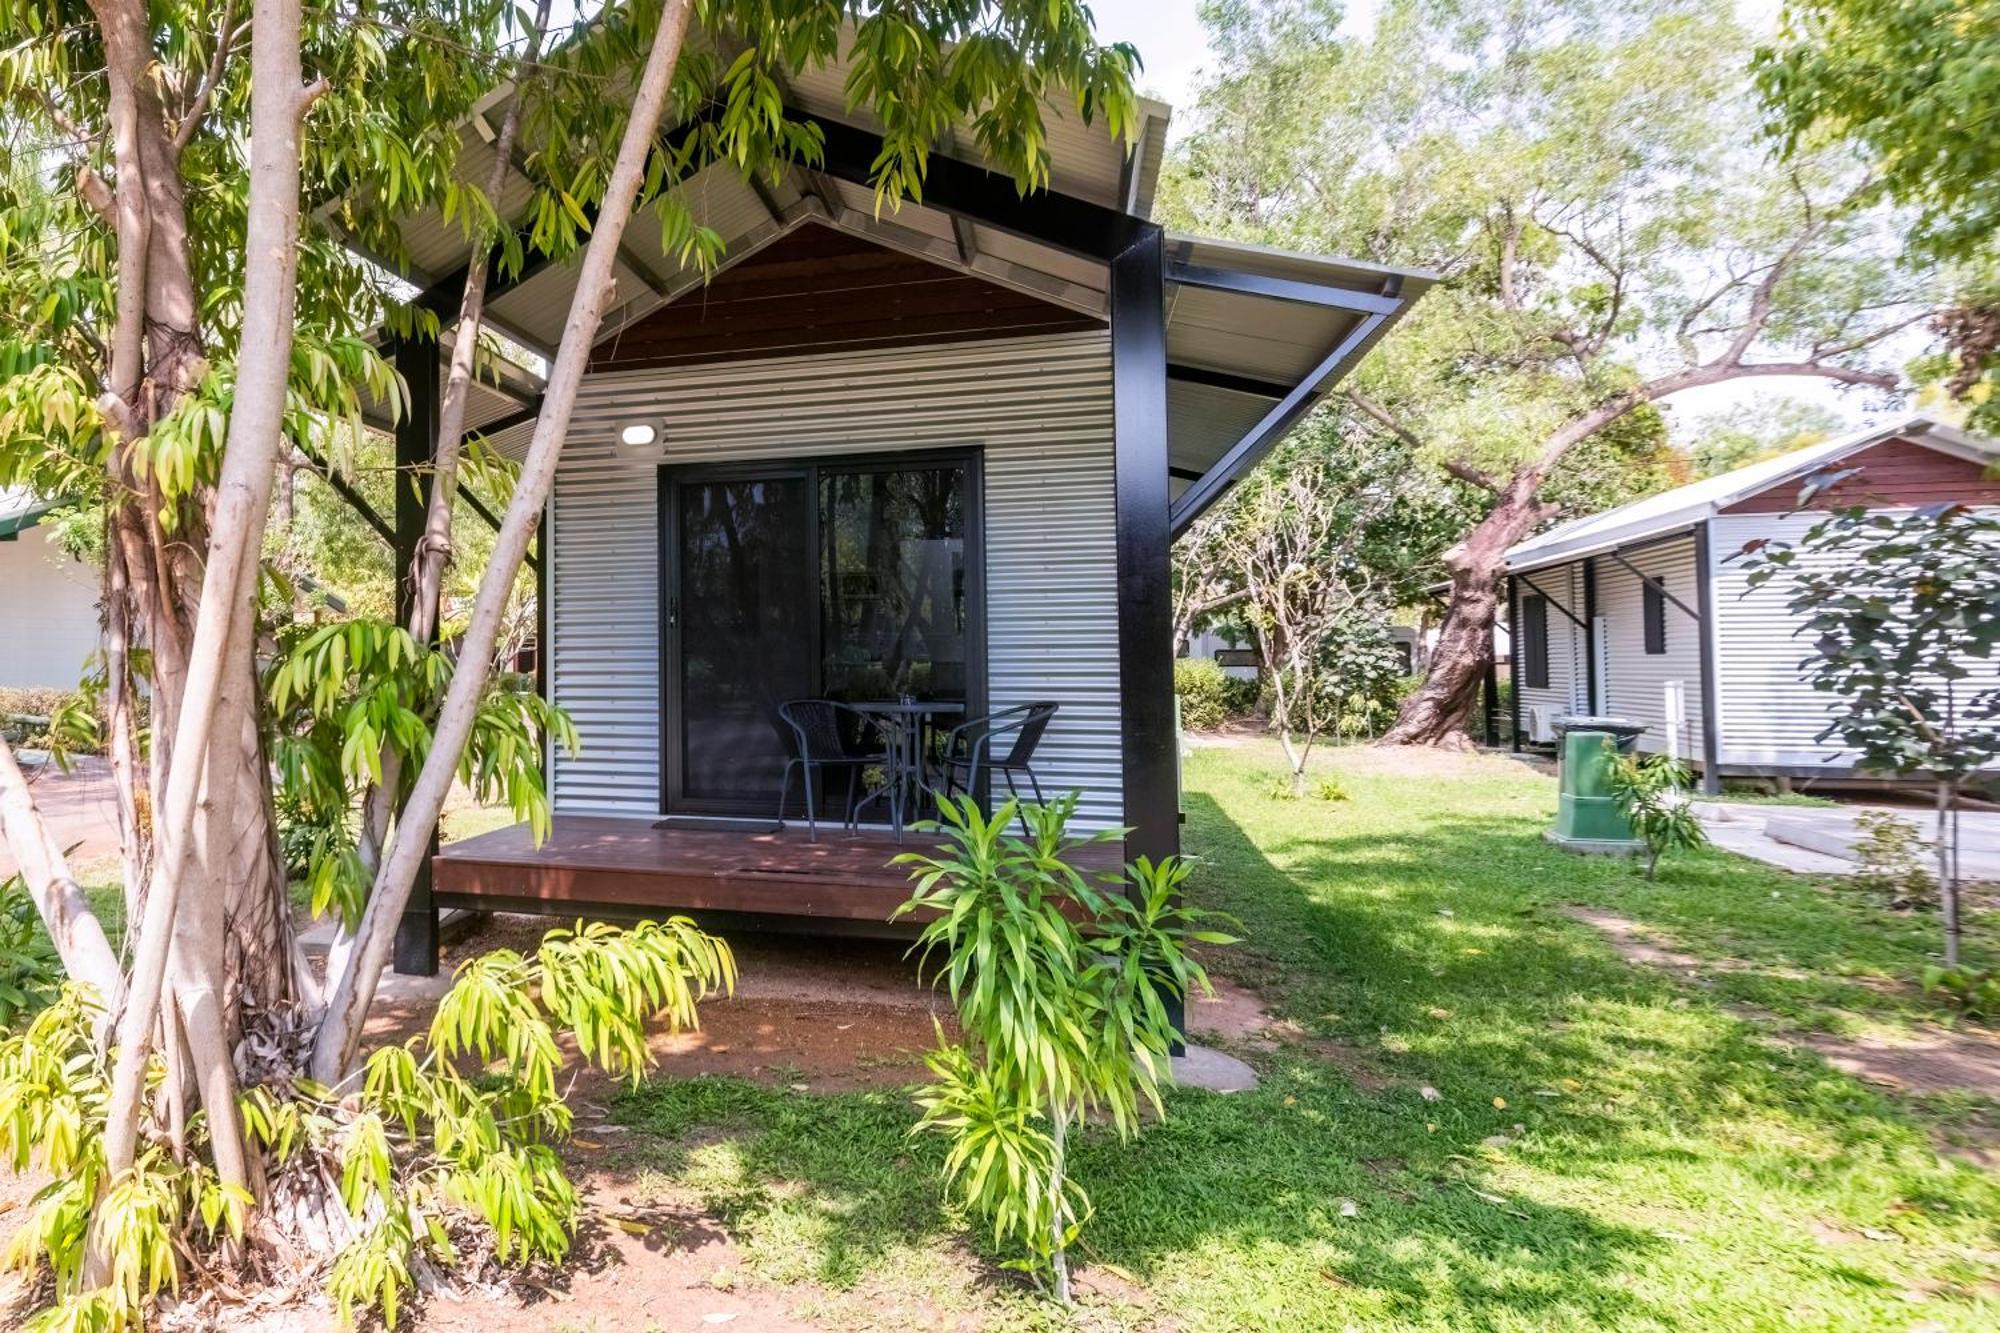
225 37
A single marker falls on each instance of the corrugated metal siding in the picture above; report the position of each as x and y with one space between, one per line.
1567 678
1769 716
1040 410
1634 682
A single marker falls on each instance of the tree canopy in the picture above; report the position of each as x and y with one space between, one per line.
1592 183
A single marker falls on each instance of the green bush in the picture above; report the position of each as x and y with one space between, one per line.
30 972
30 713
1204 693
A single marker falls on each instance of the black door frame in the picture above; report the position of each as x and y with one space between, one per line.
673 753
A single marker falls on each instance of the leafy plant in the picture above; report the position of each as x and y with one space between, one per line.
347 694
1891 857
419 1163
1202 687
30 972
1899 606
1062 1018
1329 789
1972 991
1648 790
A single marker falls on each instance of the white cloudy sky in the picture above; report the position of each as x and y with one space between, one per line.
1172 43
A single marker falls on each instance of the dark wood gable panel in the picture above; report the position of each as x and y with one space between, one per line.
1894 472
818 289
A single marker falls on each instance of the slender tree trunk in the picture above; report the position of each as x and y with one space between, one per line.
241 507
340 1033
1058 1225
1440 711
1947 859
434 548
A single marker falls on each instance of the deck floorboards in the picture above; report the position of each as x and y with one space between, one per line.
631 865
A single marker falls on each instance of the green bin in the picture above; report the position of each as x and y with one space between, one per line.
1588 819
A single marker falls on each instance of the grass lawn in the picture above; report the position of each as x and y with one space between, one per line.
1608 1146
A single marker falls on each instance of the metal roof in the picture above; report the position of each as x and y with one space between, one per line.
21 509
1244 350
1684 506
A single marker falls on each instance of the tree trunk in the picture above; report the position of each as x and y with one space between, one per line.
339 1035
1947 860
1440 711
229 581
1058 1167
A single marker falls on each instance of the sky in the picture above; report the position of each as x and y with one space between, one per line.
1174 47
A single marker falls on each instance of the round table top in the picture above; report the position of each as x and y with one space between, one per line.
901 708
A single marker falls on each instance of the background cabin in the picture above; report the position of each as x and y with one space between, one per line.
1645 612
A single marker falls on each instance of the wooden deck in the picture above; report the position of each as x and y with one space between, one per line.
631 867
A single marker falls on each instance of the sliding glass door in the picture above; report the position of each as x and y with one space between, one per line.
852 579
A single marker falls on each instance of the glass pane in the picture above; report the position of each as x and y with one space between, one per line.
892 583
746 587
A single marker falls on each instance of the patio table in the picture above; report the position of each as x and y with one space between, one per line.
906 726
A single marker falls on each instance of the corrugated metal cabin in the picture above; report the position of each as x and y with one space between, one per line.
1014 401
1644 612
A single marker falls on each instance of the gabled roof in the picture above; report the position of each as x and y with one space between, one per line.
1684 506
1246 358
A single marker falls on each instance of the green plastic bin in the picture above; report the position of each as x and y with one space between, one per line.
1588 819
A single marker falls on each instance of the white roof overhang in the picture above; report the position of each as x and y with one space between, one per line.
1683 508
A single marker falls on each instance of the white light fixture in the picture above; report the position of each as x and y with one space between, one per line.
638 434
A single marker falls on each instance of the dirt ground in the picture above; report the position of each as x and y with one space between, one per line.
824 1015
1931 1059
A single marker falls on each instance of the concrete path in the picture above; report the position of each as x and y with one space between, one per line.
80 808
1821 839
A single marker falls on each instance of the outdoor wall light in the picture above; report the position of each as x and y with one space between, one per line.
638 435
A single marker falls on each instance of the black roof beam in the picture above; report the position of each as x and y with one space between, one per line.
1222 379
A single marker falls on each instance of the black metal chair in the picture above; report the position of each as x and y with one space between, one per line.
1002 743
820 742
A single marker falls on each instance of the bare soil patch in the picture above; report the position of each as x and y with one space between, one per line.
1927 1060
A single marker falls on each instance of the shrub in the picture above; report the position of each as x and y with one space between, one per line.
1891 856
30 972
1648 790
443 1156
1204 693
1329 789
1973 991
1062 1019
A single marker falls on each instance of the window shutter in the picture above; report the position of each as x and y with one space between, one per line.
1535 641
1656 619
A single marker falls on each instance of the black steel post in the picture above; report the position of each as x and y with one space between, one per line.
1711 718
1591 684
1514 662
418 361
1145 551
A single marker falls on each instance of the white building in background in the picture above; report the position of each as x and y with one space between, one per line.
48 600
1645 611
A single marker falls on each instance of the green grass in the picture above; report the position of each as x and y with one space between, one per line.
1672 1169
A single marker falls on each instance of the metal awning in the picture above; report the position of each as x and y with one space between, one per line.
1255 337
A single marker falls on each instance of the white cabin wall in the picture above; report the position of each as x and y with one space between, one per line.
1038 408
1769 715
1567 670
48 605
1634 683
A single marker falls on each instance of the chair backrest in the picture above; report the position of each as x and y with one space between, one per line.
1011 734
815 725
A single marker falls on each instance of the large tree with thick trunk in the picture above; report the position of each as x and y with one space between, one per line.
184 309
1592 183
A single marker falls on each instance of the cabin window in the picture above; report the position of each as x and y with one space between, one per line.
1535 642
1656 619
